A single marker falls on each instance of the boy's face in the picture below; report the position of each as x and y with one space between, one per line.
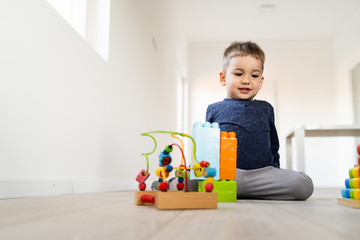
243 77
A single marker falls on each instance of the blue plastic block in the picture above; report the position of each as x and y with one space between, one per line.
206 130
204 154
207 143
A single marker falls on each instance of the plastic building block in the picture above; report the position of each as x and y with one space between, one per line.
207 138
226 190
228 148
228 174
206 130
228 140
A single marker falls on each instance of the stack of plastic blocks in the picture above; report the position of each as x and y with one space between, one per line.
226 187
207 138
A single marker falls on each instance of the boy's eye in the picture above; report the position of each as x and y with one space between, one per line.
255 76
238 74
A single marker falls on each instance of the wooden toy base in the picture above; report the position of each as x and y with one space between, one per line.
179 199
349 202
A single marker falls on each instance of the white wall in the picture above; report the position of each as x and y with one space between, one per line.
70 122
346 55
299 84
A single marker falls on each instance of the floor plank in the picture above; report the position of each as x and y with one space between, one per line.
115 216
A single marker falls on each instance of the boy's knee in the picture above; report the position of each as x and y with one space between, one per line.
303 187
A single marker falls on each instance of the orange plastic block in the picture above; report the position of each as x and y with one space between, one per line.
228 163
227 153
228 169
228 174
228 147
228 140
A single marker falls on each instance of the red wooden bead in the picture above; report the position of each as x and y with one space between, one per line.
142 186
209 187
180 186
204 164
163 186
359 160
358 149
147 198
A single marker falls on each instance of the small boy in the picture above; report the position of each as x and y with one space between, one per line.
259 174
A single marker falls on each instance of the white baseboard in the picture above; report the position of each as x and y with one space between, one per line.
31 188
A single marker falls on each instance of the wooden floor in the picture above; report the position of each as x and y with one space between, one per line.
115 216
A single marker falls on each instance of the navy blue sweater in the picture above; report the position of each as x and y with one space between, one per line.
254 125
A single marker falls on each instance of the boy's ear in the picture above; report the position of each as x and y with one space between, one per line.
262 81
222 77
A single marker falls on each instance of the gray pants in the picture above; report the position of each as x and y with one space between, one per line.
273 184
268 183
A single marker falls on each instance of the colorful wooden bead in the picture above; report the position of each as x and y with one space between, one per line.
168 149
354 172
210 180
209 172
179 174
163 186
142 176
209 187
180 186
169 168
204 164
198 170
182 167
142 186
148 198
164 158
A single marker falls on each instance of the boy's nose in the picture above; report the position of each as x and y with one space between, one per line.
245 80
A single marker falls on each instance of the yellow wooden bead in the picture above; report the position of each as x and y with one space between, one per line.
210 180
159 172
198 170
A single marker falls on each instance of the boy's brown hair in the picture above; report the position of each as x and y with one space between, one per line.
243 49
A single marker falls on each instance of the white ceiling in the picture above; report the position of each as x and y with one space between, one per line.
227 20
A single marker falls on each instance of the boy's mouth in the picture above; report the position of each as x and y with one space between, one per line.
244 90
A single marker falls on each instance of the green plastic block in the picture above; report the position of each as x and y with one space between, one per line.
225 189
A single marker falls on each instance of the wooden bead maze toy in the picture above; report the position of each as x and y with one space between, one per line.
180 198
